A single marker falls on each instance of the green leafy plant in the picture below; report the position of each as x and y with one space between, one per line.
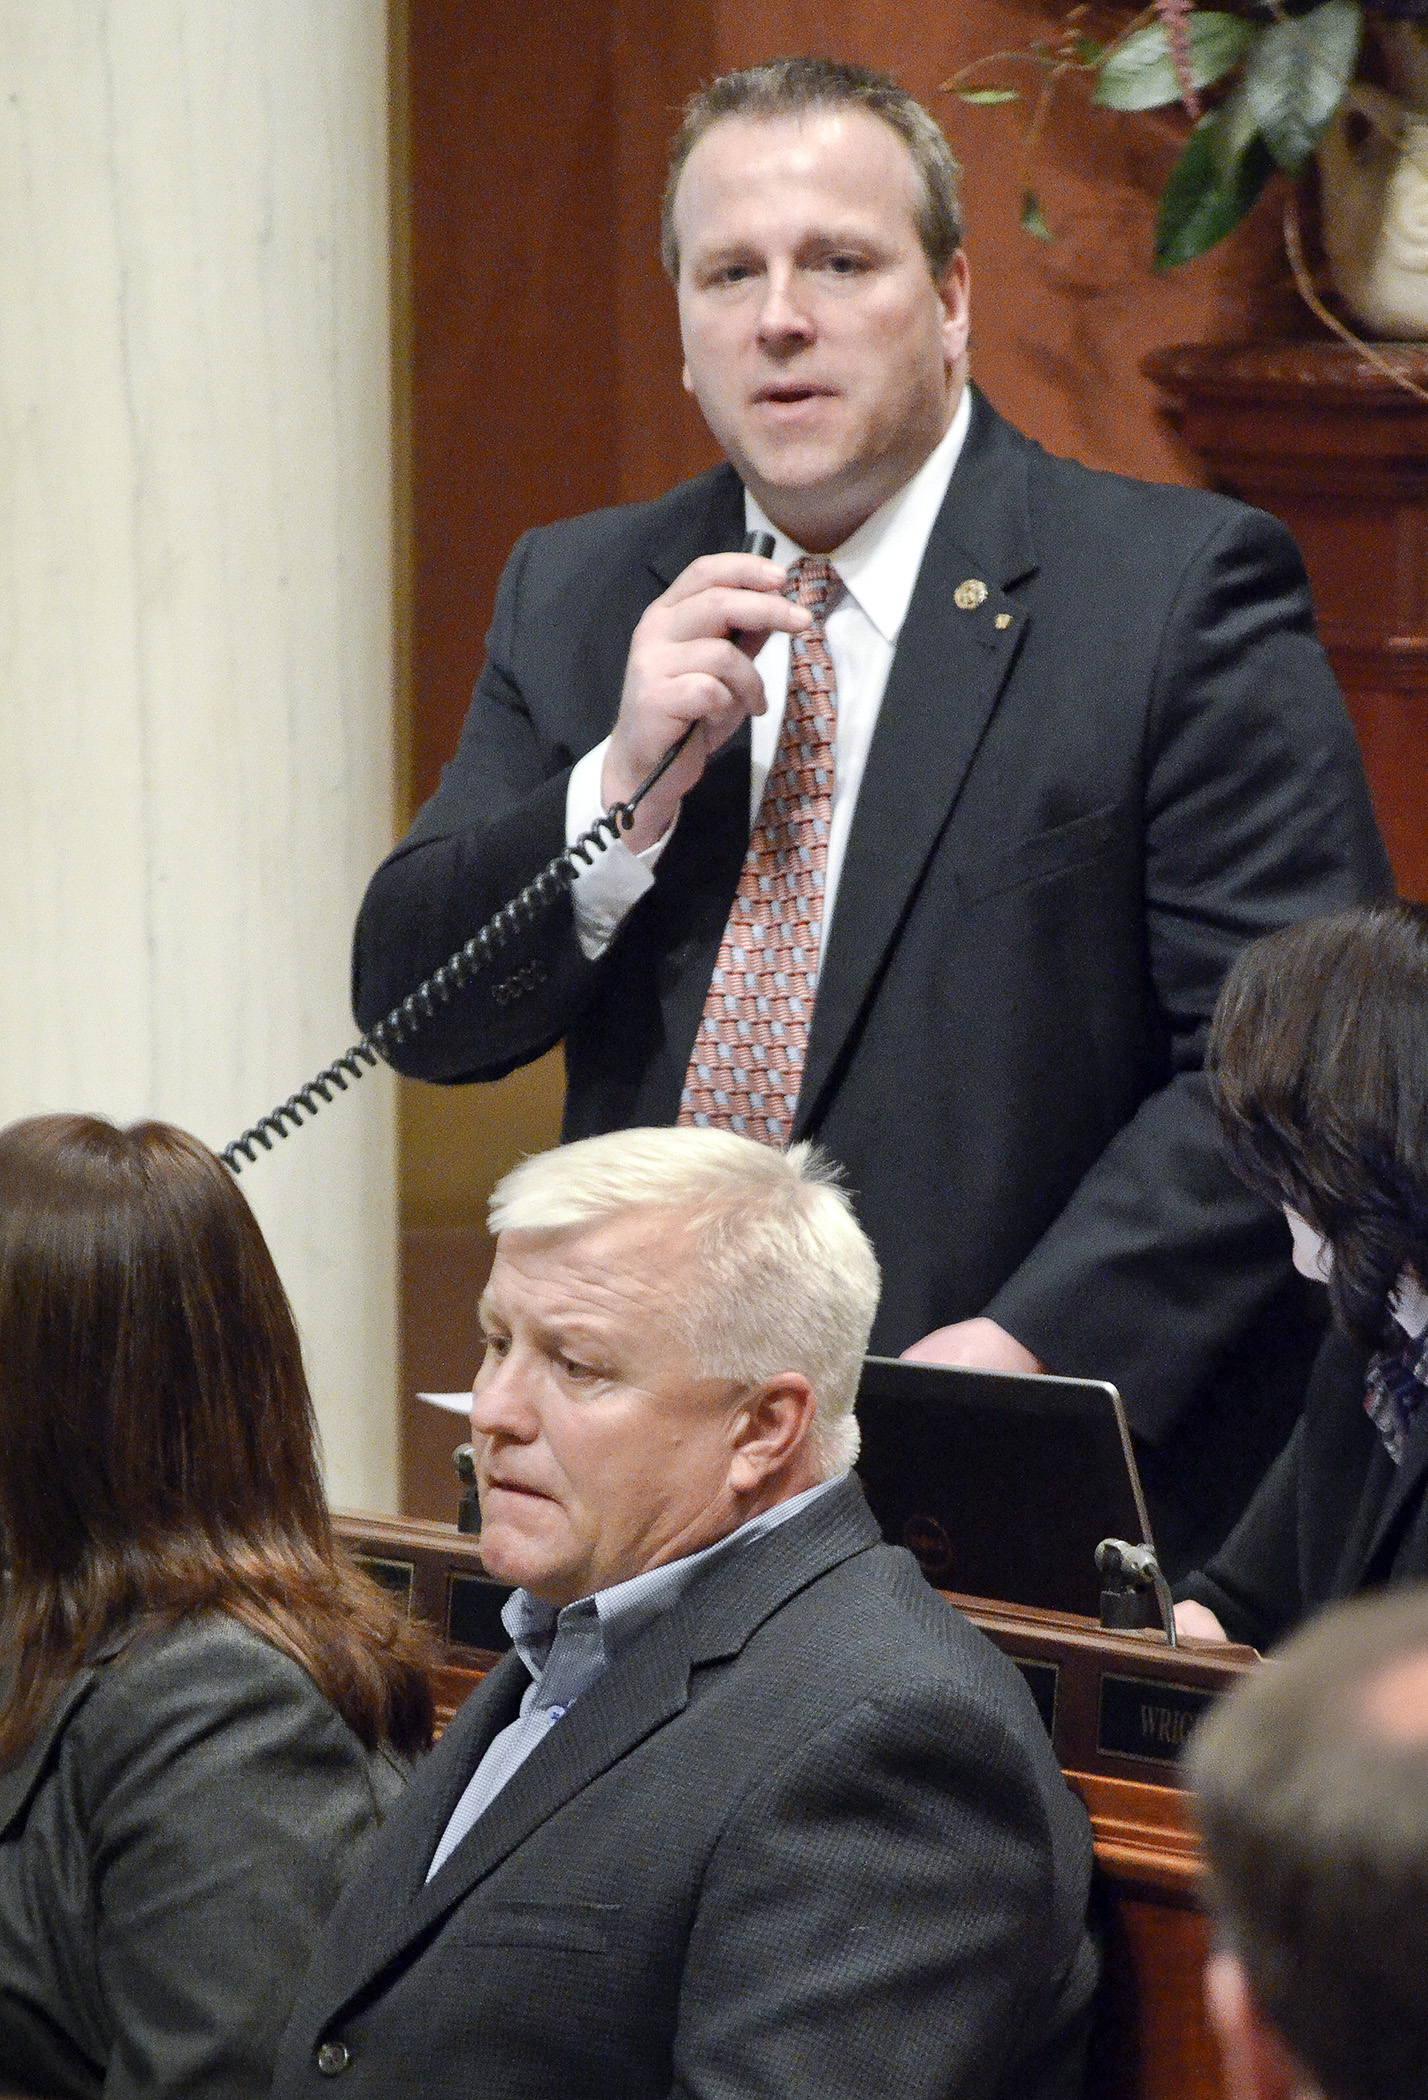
1273 77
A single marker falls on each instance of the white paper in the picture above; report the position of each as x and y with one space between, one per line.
454 1403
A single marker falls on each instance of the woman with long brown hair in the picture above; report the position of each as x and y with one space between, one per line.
204 1707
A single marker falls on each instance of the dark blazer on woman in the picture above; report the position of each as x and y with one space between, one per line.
170 1846
1333 1516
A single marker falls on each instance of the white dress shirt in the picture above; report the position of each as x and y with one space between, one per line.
878 566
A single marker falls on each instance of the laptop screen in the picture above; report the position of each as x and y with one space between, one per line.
1001 1484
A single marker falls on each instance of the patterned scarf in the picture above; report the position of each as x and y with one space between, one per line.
1395 1388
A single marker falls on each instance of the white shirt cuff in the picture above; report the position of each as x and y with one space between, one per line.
606 891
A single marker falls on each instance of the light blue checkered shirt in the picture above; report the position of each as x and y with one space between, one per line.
565 1651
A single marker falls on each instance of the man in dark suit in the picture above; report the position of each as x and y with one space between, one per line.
1086 745
750 1809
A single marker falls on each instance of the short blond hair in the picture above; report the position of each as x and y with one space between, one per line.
785 1278
807 86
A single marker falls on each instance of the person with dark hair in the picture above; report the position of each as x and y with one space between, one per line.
1311 1782
204 1707
1319 1062
989 772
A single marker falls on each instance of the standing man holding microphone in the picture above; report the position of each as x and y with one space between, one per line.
996 764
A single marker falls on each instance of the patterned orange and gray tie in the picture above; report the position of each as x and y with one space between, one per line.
747 1064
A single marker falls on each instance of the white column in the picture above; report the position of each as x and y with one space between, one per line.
195 610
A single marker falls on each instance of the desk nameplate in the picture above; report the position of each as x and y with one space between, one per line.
473 1613
1148 1717
396 1577
435 1572
1042 1680
1125 1701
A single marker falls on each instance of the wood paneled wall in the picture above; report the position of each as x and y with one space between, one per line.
544 380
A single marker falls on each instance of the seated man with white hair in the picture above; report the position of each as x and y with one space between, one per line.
748 1810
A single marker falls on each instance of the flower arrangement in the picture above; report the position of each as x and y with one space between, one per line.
1260 83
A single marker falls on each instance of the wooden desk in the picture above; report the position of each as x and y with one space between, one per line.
1117 1706
1124 1704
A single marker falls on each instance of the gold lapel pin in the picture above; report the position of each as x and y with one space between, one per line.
969 595
1003 620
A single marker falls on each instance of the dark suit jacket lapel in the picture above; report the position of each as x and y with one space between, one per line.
947 675
636 1696
393 1884
620 1709
723 1609
495 1702
1403 1498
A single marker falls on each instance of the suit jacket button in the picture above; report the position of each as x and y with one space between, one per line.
333 2057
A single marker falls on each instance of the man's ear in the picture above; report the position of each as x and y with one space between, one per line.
954 290
1257 2065
771 1431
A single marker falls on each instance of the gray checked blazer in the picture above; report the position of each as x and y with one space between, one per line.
806 1837
170 1846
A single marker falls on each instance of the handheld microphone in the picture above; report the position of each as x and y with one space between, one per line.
762 544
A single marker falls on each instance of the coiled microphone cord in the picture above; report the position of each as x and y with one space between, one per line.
500 932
